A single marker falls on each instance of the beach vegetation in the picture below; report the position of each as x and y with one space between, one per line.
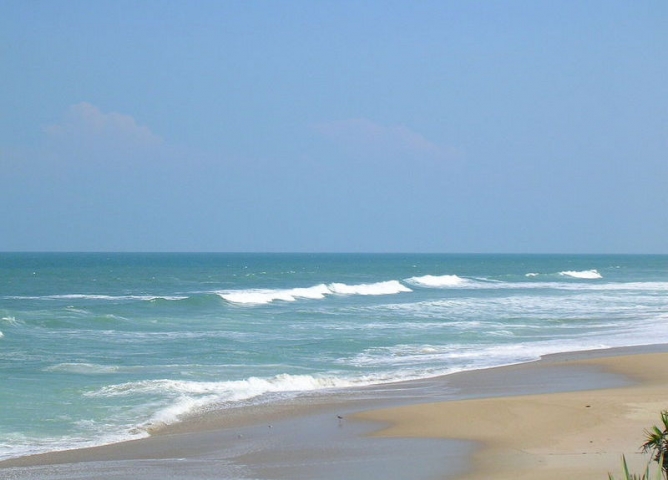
657 443
633 476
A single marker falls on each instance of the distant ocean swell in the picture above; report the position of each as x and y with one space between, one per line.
320 291
391 287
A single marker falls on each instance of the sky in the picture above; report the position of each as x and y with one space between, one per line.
504 126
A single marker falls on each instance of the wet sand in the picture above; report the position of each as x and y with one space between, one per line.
566 416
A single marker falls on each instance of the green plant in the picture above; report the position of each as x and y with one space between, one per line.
657 443
632 476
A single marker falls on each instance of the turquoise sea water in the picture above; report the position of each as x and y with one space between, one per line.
97 348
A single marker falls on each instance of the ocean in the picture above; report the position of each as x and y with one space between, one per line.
98 348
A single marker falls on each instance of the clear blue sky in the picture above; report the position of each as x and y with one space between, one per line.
372 126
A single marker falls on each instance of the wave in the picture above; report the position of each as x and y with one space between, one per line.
80 296
317 292
16 445
232 390
190 397
584 274
10 320
423 361
391 287
263 296
438 281
82 368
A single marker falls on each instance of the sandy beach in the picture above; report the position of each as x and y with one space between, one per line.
575 435
566 416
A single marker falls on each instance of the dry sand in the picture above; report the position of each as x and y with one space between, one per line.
578 435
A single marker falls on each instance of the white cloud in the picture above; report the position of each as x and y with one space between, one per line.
85 123
363 133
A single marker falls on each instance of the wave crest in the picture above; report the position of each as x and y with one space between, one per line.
188 397
391 287
317 292
260 296
584 274
437 281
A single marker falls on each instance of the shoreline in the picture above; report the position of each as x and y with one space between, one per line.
382 425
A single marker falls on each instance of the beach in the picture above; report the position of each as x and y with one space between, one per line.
577 435
565 416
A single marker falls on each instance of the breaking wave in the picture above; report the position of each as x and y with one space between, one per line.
391 287
584 274
183 398
264 296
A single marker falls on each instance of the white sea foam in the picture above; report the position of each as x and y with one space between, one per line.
410 359
188 397
16 445
316 292
171 298
438 281
10 320
391 287
80 296
584 274
650 287
2 335
233 390
264 296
